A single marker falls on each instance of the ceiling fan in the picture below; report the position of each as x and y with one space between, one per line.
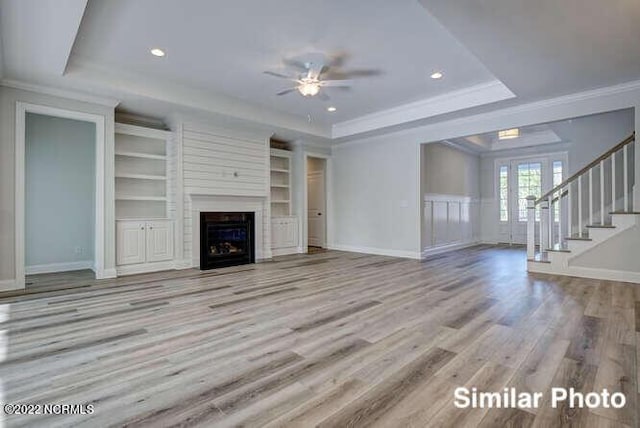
313 73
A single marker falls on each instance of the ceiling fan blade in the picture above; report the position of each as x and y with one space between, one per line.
286 91
315 68
282 76
336 83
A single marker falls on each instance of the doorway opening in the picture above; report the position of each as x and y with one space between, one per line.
316 203
60 194
59 197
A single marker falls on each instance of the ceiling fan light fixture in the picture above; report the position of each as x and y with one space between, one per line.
508 134
309 89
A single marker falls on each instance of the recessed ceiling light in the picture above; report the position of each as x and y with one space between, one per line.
331 109
157 52
508 134
437 75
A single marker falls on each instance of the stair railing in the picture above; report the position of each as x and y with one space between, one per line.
576 204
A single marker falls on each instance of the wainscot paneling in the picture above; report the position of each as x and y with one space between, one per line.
450 222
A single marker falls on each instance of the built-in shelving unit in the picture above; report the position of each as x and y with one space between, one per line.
280 183
140 172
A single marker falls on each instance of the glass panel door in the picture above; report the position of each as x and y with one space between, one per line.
529 177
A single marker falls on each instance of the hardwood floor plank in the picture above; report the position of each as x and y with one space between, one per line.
329 339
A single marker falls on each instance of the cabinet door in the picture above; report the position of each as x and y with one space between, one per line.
130 242
276 234
289 232
159 241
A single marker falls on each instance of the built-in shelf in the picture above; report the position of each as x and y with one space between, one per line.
140 198
141 155
280 166
142 176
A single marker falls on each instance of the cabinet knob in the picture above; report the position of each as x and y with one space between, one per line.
142 228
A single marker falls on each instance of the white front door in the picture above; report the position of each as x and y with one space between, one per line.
518 178
316 208
528 177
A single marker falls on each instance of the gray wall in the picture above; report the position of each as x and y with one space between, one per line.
584 139
60 185
450 171
8 99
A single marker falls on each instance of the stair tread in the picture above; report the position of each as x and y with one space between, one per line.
601 226
578 238
558 250
625 213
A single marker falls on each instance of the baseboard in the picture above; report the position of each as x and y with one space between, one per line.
145 268
9 285
59 267
604 274
376 251
446 248
182 264
106 273
284 251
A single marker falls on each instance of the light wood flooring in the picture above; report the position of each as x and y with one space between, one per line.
330 339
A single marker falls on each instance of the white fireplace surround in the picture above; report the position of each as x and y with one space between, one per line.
213 203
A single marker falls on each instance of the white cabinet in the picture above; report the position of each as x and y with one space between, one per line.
143 243
284 235
131 242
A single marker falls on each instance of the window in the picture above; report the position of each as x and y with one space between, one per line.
529 183
503 189
557 179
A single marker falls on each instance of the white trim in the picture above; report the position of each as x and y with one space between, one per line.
328 199
57 92
472 96
284 251
59 267
9 285
141 131
145 268
446 248
578 104
377 251
102 204
584 272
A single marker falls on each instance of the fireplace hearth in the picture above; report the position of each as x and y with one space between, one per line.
226 239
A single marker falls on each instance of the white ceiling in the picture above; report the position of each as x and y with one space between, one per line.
226 49
494 54
548 48
566 131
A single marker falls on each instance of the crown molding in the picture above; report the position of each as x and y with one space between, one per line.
472 96
595 101
62 93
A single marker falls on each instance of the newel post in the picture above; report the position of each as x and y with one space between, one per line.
531 227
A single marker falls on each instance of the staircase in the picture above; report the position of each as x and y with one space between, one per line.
587 226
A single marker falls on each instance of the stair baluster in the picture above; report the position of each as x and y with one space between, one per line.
551 236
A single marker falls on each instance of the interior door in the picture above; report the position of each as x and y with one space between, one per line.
528 177
316 208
